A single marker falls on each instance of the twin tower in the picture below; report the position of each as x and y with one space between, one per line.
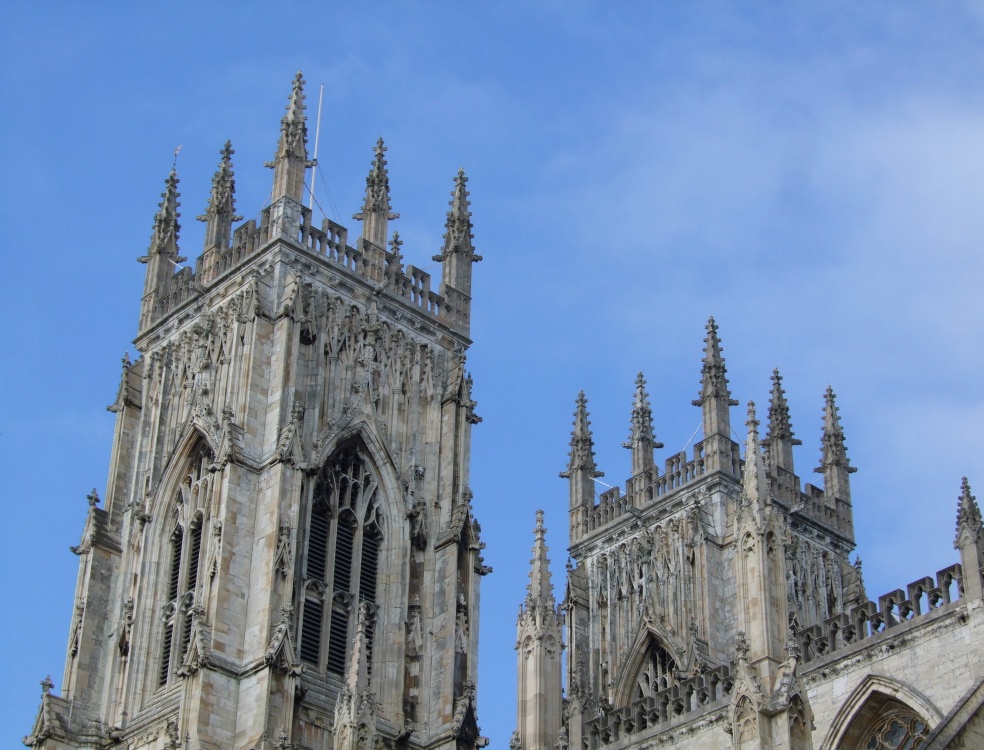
287 557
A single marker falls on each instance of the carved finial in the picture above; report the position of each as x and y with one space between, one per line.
164 237
714 397
395 260
458 227
641 440
291 158
833 448
780 440
221 209
539 591
753 479
968 517
125 361
47 685
582 444
515 743
93 498
357 674
741 645
376 210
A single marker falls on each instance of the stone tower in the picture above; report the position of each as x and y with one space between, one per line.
713 605
286 556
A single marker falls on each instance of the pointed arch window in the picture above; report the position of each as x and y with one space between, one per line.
343 539
182 559
657 674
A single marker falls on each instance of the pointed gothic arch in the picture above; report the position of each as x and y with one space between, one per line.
349 530
652 666
183 509
871 708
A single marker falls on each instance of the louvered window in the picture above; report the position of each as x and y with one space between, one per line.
190 506
343 544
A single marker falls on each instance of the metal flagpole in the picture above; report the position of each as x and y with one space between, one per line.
317 137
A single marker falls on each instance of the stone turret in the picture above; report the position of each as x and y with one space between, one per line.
291 160
581 468
642 440
969 542
538 643
289 166
835 466
162 257
458 254
221 210
780 440
376 211
715 400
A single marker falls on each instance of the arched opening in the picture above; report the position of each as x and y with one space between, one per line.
882 714
885 723
188 512
340 558
658 672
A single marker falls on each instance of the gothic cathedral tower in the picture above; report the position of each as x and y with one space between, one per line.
286 556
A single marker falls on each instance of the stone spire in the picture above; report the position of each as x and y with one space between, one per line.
356 704
221 209
780 440
581 468
714 398
834 464
458 253
539 591
754 487
641 440
539 639
291 160
376 211
970 542
162 257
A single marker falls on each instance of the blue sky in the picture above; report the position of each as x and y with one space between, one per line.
810 174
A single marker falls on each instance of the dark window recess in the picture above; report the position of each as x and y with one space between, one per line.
311 633
317 552
165 654
367 571
172 588
194 555
337 641
344 545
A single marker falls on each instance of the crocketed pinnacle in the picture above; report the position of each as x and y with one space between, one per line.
968 517
833 449
641 440
753 479
221 209
357 672
458 227
539 591
164 238
291 158
780 440
714 397
376 208
582 445
293 125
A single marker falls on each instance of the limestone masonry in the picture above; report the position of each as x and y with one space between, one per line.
286 556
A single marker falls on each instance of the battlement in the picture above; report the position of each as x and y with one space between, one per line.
922 599
649 486
712 688
330 242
